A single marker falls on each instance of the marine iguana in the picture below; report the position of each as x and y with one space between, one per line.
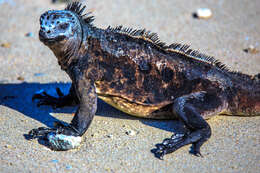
135 72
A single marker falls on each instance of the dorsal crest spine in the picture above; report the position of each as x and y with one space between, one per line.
194 54
77 8
151 36
175 47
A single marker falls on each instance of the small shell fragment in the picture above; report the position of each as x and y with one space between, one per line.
251 49
20 78
39 74
110 136
29 34
130 132
203 13
8 146
6 45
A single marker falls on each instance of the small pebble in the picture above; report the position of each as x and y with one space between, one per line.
29 34
68 167
130 132
8 146
251 49
110 136
6 45
54 161
39 74
24 121
203 13
20 78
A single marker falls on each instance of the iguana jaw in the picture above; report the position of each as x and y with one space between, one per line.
50 41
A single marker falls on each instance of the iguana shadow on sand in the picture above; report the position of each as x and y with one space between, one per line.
18 96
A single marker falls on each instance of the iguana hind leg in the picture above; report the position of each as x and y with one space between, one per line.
191 110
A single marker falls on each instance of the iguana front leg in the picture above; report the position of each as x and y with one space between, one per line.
63 137
57 102
191 109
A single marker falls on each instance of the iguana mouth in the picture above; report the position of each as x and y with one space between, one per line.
43 38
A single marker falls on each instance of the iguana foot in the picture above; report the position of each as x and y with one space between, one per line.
55 102
61 137
170 145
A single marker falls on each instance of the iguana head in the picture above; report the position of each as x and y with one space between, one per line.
62 31
58 26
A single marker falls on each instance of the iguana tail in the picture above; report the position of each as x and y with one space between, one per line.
257 93
244 95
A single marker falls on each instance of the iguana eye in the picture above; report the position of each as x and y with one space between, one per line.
64 26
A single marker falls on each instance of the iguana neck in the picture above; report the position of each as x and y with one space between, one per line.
78 58
65 51
71 50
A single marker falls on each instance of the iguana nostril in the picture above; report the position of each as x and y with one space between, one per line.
55 17
48 31
64 26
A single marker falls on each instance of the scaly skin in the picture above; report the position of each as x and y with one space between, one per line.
136 73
